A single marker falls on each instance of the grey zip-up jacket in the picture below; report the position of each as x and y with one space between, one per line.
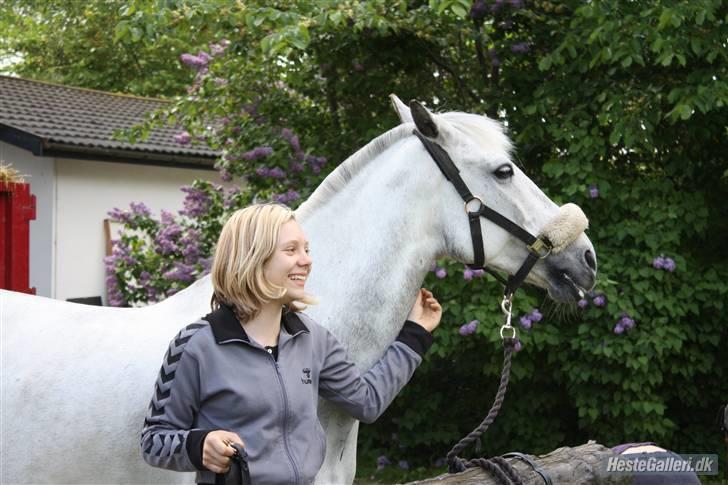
214 377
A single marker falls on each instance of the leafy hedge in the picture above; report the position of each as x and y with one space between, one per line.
619 106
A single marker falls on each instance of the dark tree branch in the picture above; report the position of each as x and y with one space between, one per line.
565 466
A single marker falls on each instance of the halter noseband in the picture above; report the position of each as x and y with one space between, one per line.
538 247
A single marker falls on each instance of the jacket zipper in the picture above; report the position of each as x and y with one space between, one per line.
285 419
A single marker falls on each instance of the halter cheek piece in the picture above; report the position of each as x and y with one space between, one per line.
538 247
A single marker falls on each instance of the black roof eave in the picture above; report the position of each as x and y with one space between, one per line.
44 148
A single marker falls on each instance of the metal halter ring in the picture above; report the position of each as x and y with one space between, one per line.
538 247
508 327
475 197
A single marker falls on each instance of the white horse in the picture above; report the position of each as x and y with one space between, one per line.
77 380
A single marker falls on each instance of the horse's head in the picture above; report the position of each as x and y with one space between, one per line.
481 151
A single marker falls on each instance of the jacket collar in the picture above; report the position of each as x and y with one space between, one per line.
226 327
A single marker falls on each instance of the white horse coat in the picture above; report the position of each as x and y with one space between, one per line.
77 380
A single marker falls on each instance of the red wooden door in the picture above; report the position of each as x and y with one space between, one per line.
17 209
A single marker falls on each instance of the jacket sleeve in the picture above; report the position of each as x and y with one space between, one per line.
168 439
366 396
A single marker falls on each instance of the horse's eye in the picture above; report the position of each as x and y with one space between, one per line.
504 172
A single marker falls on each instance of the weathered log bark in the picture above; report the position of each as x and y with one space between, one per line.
566 466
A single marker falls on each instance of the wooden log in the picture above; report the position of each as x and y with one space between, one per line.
566 466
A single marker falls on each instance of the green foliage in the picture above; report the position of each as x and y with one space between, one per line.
627 99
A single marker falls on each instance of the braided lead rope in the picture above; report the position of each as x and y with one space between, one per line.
498 467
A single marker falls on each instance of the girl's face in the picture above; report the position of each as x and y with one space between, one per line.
290 264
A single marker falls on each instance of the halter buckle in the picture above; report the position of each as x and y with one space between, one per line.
540 248
472 198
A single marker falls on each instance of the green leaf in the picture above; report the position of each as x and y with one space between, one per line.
544 64
665 19
459 10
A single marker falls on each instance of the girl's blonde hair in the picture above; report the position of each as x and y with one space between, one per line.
247 242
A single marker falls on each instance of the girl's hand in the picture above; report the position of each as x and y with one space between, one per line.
426 311
215 451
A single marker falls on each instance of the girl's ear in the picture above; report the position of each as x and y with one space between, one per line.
405 116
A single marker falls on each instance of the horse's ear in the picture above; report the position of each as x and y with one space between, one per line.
405 116
423 119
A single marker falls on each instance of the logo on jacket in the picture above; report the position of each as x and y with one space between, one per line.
306 379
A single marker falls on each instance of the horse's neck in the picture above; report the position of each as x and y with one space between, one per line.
372 245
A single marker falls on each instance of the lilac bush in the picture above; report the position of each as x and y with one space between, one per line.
158 257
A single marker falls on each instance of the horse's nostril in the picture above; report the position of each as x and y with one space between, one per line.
590 261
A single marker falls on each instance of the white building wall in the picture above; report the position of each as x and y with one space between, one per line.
85 192
39 172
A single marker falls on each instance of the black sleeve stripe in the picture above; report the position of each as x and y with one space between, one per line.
164 383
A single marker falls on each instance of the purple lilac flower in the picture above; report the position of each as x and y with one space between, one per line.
116 298
199 61
181 272
403 464
196 202
467 274
599 300
206 264
295 143
229 197
441 273
525 322
536 315
225 175
583 303
297 167
478 10
140 209
520 48
618 329
287 197
518 346
433 266
204 57
478 273
516 3
627 322
496 6
122 252
120 215
166 238
669 265
172 291
658 262
382 461
182 138
593 191
190 245
218 48
468 328
276 173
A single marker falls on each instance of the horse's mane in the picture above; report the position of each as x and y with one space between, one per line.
488 133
